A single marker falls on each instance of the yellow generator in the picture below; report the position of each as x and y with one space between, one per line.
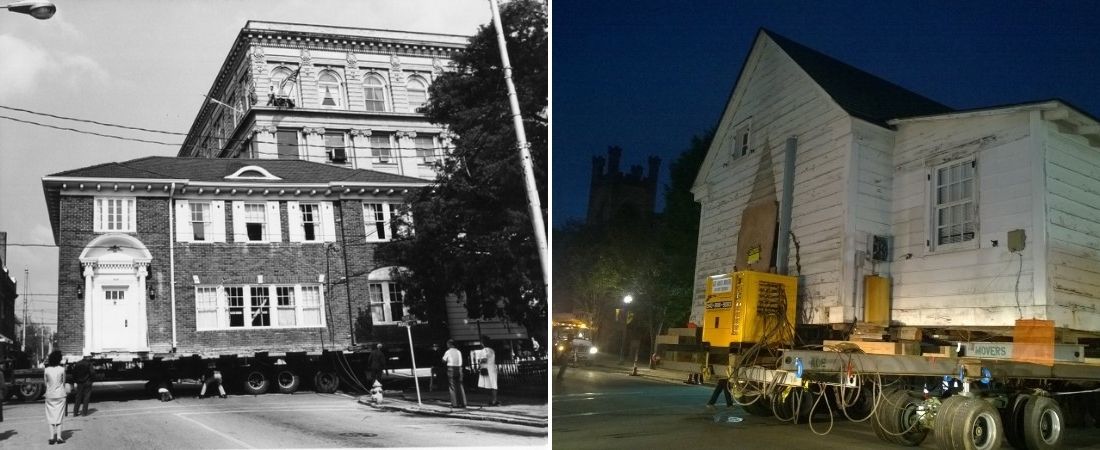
750 307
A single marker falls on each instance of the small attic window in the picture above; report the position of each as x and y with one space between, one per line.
252 173
741 139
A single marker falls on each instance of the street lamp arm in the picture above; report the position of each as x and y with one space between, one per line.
38 9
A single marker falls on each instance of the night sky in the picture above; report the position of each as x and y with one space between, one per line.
648 75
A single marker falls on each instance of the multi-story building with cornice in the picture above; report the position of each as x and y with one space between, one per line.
334 95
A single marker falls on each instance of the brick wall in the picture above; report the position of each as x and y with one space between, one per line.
221 263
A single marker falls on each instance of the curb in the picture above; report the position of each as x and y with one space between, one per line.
415 409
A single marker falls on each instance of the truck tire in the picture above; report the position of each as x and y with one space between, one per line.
1013 419
977 426
941 429
287 381
326 382
256 382
30 392
1044 423
895 419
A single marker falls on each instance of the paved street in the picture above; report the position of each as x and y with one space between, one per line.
122 417
604 408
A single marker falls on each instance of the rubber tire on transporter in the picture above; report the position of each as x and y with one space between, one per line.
895 419
256 382
287 381
976 426
30 392
1012 417
1044 423
945 416
326 382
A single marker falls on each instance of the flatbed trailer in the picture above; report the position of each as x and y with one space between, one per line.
964 402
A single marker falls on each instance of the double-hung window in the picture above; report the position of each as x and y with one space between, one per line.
425 149
329 86
954 203
200 221
334 147
378 217
311 224
286 142
375 90
417 91
381 149
258 306
386 302
114 214
255 221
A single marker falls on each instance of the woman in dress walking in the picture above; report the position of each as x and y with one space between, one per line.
55 396
488 362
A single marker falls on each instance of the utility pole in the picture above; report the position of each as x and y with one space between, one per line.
26 277
524 149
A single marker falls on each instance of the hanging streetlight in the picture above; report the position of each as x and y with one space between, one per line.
38 10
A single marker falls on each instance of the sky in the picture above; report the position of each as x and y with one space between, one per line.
143 64
649 76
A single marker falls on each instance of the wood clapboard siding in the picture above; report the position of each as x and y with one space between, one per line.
779 100
1073 228
981 285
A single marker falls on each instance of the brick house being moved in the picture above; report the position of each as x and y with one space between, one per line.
221 256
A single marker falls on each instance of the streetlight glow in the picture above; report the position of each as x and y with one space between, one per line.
37 9
628 299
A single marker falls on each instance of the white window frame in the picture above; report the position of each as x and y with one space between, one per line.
390 211
325 228
249 219
281 73
381 85
207 221
272 228
344 144
106 209
387 290
426 157
946 206
338 85
409 90
376 153
306 298
742 139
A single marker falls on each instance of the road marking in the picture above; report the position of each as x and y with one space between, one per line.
226 436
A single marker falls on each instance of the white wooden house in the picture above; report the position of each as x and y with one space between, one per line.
943 189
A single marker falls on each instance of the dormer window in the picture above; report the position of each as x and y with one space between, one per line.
252 172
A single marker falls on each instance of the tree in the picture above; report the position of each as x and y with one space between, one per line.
473 235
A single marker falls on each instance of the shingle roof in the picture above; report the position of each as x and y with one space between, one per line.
861 94
216 169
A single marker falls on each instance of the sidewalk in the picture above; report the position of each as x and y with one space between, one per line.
658 374
525 410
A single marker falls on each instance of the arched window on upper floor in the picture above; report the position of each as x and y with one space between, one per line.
328 86
284 87
418 92
374 88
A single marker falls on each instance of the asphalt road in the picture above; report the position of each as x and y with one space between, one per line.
121 416
596 409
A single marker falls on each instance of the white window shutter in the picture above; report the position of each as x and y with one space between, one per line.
217 221
97 214
184 233
294 222
274 227
240 233
328 222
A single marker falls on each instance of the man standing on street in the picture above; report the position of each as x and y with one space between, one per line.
376 365
453 359
83 375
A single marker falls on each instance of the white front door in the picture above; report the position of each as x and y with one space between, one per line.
116 321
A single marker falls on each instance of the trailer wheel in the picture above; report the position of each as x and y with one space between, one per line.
896 419
326 382
977 426
256 382
1013 419
1044 423
758 407
287 381
945 416
30 392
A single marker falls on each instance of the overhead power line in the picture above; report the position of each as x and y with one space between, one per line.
106 124
31 122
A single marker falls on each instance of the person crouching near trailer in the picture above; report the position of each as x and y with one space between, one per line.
212 377
55 395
